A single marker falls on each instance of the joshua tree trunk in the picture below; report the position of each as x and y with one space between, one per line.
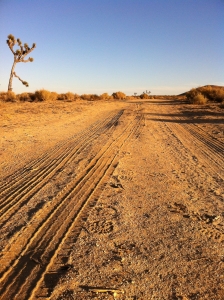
11 77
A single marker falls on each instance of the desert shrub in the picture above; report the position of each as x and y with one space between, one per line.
43 95
212 93
199 99
119 95
105 96
207 91
68 96
191 94
144 96
130 97
61 97
76 96
54 96
219 95
24 97
90 97
85 96
8 96
94 97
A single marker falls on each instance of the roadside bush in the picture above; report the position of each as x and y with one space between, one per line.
54 96
191 95
85 97
144 96
131 97
69 96
43 95
24 97
94 97
199 99
207 91
219 96
90 97
8 96
61 97
105 96
119 95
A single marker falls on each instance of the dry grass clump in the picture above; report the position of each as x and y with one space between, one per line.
8 96
69 96
105 96
25 97
54 96
144 96
94 97
90 97
213 93
199 99
131 97
44 95
195 97
86 97
218 95
119 95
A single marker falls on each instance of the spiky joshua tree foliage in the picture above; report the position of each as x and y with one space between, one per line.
19 56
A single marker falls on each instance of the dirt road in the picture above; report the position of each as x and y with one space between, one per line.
111 201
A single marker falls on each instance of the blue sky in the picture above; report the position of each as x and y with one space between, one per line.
96 46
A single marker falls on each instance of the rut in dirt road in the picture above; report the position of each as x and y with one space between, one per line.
211 149
27 258
23 186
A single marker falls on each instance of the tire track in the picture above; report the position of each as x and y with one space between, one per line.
203 137
42 237
199 142
55 152
21 195
34 162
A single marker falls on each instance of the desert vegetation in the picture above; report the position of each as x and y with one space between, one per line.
119 95
45 95
8 96
19 56
144 96
202 95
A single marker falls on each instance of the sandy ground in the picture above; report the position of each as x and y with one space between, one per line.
111 200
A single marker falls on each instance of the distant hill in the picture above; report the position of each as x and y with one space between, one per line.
215 87
210 92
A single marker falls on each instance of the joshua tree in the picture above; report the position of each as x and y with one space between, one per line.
19 56
147 92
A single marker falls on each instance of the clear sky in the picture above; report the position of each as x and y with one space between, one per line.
96 46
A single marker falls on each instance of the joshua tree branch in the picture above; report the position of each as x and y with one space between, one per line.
23 82
11 48
22 60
